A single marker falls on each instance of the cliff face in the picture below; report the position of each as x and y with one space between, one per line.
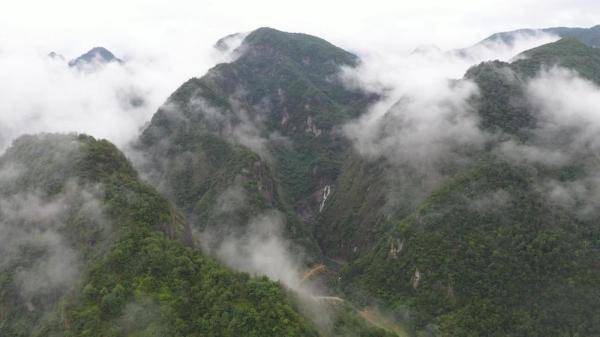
266 122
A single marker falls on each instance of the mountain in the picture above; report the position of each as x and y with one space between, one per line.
264 126
567 53
504 45
492 250
359 209
229 42
502 105
94 58
477 250
90 250
255 136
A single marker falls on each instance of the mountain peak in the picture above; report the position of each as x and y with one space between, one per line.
299 47
229 42
268 33
95 56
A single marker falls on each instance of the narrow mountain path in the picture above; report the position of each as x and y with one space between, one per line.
375 318
371 315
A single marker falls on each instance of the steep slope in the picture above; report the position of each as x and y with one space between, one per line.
89 250
489 254
263 125
502 106
367 200
496 251
369 197
353 216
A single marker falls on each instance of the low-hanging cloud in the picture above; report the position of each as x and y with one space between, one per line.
567 122
34 237
565 106
424 124
259 246
425 108
260 249
421 127
112 101
499 49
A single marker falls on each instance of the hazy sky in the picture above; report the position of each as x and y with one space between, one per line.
70 25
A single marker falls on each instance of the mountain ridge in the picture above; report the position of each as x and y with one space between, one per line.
589 36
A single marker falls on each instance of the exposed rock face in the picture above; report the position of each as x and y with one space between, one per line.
281 100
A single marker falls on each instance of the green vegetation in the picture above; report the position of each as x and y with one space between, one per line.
136 281
348 322
152 286
490 252
502 105
487 255
358 211
285 88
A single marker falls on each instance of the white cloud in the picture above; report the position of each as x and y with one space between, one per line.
167 42
567 101
568 123
425 112
45 95
34 222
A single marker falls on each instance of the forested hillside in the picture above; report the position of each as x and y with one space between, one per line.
89 250
496 250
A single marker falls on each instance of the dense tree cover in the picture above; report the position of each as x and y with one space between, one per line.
502 105
134 279
490 252
307 101
284 93
359 209
479 301
151 286
488 255
346 321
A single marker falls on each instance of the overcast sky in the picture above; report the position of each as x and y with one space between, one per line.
70 25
